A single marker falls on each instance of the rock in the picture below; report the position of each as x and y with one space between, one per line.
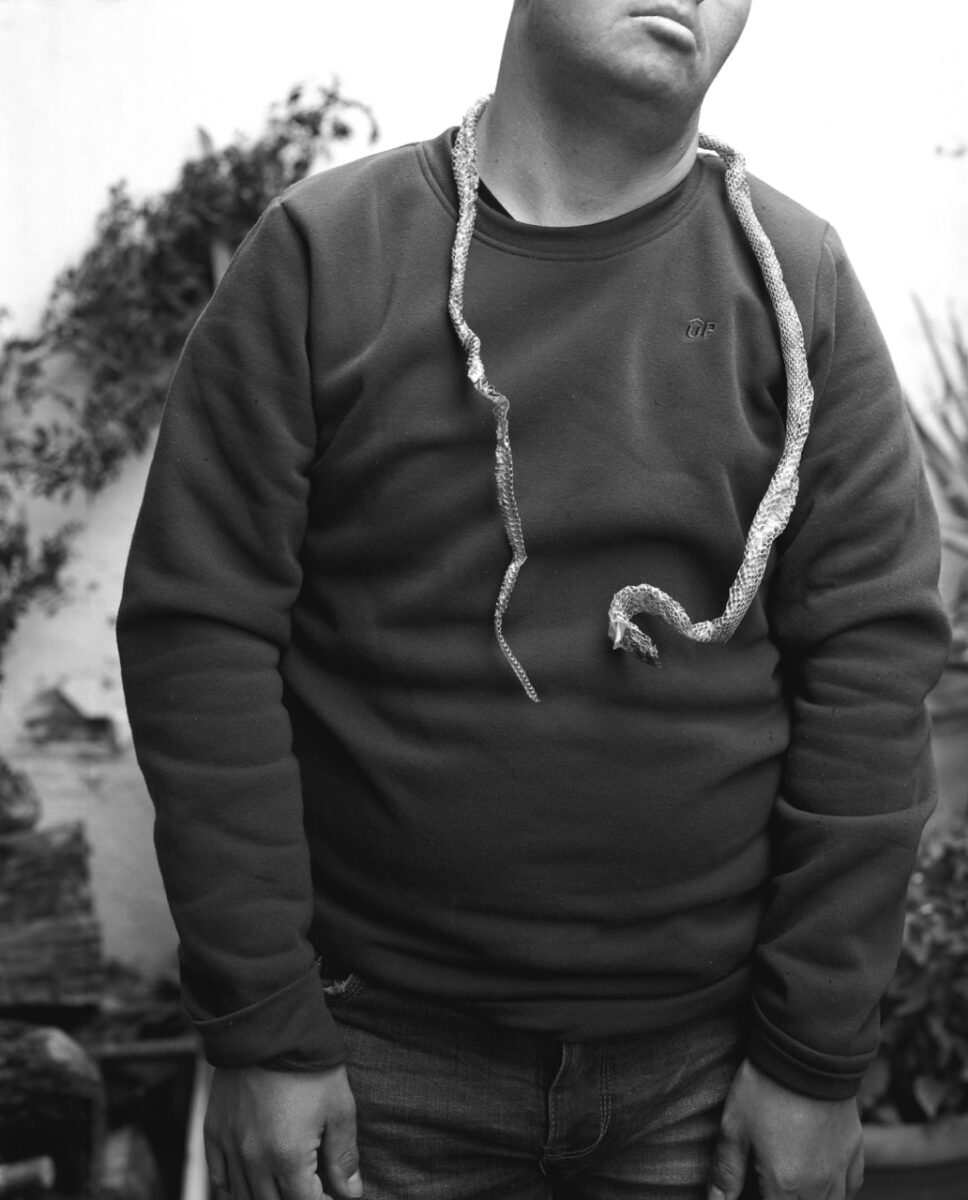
19 802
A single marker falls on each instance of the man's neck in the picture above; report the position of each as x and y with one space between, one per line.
557 169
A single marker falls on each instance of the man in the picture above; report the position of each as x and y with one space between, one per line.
630 940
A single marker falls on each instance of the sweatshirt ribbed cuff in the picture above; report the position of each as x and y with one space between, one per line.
801 1069
290 1030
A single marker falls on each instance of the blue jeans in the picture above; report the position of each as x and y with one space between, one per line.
450 1107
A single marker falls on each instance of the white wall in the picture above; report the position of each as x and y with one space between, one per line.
843 105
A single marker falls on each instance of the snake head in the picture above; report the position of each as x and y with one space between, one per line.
626 635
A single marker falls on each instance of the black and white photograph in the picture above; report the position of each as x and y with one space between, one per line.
483 600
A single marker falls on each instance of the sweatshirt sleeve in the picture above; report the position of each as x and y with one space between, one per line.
212 575
863 638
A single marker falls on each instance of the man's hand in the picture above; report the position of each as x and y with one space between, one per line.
265 1132
801 1148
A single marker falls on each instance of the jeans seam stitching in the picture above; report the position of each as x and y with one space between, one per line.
604 1109
605 1094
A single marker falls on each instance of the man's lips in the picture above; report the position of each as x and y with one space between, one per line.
669 12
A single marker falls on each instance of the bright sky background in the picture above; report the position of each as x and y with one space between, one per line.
840 103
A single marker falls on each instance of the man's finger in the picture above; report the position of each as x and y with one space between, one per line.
218 1168
300 1184
340 1156
241 1186
728 1173
855 1174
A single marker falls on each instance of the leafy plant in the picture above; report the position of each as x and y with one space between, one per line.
921 1072
943 431
90 385
26 573
87 389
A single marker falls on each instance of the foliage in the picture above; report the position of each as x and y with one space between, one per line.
27 573
87 390
943 431
117 319
922 1070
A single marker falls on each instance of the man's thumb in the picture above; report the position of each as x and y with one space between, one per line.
341 1161
728 1173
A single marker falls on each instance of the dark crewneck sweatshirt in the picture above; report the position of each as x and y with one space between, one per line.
343 763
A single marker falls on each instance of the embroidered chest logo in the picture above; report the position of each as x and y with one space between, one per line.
698 328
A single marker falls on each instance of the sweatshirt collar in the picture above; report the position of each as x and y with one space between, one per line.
575 242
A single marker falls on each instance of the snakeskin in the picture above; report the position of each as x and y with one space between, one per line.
775 508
